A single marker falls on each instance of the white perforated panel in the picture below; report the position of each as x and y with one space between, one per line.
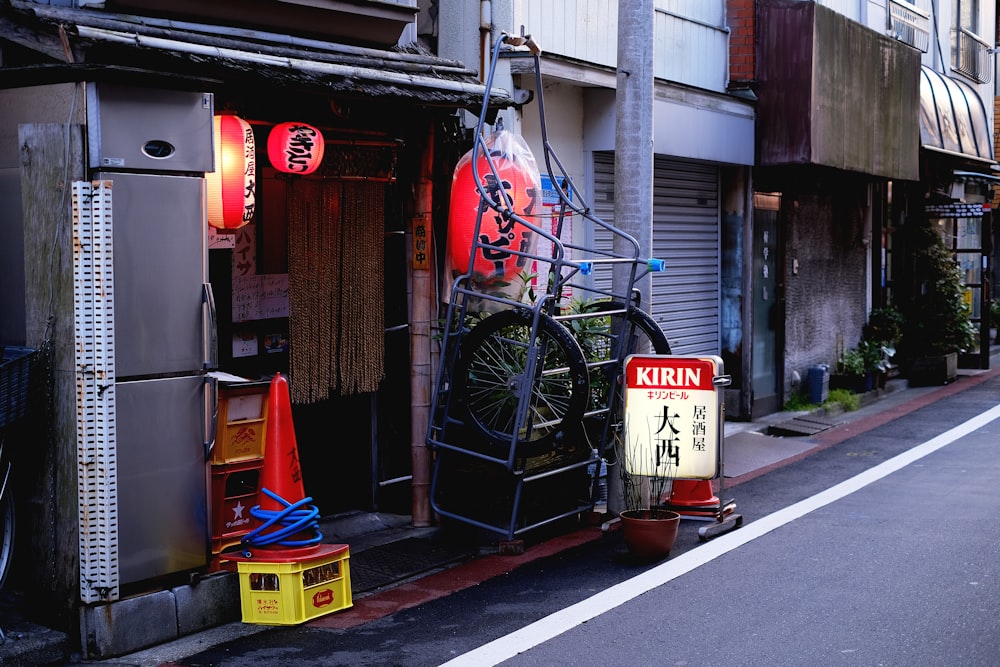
93 296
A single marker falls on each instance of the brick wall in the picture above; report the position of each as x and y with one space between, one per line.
740 15
825 298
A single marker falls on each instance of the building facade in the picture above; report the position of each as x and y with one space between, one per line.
778 189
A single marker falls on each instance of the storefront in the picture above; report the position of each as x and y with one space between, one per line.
317 278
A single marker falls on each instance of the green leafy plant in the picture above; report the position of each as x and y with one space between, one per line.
845 399
798 402
936 315
851 362
885 325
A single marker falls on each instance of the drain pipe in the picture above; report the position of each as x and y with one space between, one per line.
420 334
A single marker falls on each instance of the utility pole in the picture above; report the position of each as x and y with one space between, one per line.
633 158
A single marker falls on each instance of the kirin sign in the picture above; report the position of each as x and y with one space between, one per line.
673 416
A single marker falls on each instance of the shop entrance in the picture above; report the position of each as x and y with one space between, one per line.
768 305
965 236
316 290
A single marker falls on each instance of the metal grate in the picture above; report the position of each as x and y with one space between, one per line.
910 24
971 56
97 471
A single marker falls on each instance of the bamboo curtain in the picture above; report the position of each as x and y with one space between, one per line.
335 288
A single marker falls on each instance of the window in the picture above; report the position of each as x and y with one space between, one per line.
970 55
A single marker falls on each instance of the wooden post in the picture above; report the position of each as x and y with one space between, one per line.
420 336
51 158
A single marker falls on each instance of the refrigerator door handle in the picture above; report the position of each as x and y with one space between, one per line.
211 414
211 333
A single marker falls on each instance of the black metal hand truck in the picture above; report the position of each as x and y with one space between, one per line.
528 395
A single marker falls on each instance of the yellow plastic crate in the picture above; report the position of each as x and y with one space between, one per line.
288 593
242 423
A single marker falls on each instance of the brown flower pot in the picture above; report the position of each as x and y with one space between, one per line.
650 535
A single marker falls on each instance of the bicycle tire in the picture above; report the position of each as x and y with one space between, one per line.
598 342
489 374
7 528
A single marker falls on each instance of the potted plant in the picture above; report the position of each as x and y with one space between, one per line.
856 367
936 326
883 331
649 530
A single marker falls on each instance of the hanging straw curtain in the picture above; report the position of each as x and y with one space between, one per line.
335 288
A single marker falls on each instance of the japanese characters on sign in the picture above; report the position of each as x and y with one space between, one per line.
421 242
295 148
672 416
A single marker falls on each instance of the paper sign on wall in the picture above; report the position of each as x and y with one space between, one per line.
672 416
260 297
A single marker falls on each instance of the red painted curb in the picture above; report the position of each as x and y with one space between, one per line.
452 580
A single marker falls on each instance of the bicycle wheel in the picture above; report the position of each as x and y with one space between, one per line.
491 376
597 337
6 525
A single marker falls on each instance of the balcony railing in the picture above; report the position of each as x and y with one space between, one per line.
971 56
910 24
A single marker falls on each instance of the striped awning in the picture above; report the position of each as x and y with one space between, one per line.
953 118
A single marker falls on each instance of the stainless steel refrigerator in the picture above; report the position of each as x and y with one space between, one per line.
155 146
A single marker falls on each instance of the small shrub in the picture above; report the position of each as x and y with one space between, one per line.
798 402
845 399
851 362
885 325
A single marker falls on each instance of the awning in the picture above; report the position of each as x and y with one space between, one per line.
87 44
953 118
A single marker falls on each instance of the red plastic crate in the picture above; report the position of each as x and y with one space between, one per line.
234 492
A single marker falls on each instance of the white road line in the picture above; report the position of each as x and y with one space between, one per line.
555 624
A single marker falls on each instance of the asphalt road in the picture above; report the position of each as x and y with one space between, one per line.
895 567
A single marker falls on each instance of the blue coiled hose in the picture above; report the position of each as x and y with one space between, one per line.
294 517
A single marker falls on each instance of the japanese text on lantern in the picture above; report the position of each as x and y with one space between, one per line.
505 227
299 147
250 173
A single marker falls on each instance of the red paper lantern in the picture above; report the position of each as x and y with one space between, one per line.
232 186
295 148
520 182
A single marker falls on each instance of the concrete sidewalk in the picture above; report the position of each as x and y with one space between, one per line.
399 566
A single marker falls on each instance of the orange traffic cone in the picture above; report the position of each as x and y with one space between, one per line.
693 493
285 520
282 473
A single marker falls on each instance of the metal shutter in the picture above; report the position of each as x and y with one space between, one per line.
686 235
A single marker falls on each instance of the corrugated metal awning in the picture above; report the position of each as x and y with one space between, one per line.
84 44
953 118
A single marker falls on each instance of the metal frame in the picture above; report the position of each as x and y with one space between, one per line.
569 266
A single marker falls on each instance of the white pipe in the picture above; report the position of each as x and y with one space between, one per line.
301 64
64 13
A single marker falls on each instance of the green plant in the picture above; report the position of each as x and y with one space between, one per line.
995 313
851 362
798 402
867 357
845 399
936 314
885 325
